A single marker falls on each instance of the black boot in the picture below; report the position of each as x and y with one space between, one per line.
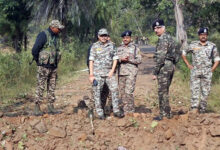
119 115
169 116
202 111
51 109
158 118
37 110
101 117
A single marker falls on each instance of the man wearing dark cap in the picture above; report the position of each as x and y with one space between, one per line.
102 63
205 59
47 55
129 59
164 68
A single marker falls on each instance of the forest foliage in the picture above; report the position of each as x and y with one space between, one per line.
22 20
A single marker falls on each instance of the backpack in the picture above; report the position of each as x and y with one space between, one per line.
174 52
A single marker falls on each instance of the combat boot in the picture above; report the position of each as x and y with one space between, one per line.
169 116
37 110
158 118
51 109
193 110
202 111
102 117
119 115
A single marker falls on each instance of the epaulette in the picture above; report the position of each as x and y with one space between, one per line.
213 44
194 42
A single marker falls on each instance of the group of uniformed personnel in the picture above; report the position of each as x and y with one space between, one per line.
205 59
103 60
113 71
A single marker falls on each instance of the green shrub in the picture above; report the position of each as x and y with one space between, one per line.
17 77
153 38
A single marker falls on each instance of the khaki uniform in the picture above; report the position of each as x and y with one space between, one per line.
128 74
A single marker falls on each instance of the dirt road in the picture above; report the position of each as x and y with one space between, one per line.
72 131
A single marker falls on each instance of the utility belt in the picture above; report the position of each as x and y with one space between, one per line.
136 65
170 59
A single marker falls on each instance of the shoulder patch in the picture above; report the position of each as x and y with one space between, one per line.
196 48
98 49
213 44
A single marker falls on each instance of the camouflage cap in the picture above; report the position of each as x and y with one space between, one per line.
103 31
56 24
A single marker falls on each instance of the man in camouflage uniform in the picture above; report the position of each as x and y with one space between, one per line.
164 69
129 59
106 97
106 105
46 54
103 60
204 53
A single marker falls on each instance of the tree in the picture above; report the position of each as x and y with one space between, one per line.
181 35
16 16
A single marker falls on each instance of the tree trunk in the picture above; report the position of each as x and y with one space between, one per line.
181 35
17 44
25 42
18 40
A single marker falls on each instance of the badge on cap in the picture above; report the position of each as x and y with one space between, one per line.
205 30
157 23
127 34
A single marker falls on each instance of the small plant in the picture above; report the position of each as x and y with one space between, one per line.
153 125
134 123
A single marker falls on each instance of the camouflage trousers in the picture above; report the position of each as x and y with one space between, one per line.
164 81
200 88
126 88
46 76
106 98
97 90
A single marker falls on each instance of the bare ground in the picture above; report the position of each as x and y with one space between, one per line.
72 131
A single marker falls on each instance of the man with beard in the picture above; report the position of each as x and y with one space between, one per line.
129 59
204 54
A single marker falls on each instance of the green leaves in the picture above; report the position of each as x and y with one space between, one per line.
154 124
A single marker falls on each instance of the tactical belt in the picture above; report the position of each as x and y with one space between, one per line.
170 59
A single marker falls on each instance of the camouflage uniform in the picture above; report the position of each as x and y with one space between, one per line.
103 55
164 71
127 74
201 74
106 97
48 60
48 76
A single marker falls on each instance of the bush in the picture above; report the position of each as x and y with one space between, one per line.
17 77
